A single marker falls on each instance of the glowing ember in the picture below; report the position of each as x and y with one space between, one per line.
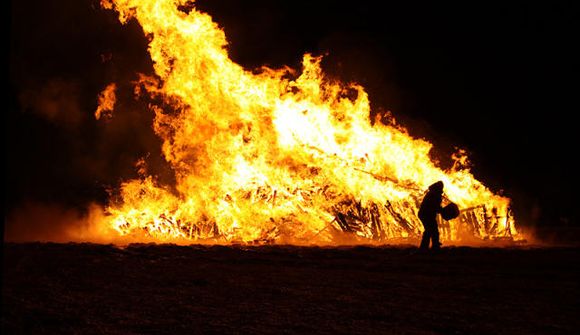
277 155
107 100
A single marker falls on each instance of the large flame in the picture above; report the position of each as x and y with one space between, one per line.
276 155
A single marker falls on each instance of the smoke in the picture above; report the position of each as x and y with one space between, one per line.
55 223
61 162
56 101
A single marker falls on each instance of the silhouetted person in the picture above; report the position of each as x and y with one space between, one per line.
430 207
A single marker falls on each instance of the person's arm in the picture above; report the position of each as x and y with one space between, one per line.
439 207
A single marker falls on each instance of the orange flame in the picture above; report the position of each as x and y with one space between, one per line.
107 100
277 155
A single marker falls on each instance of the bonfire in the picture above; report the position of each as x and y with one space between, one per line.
276 155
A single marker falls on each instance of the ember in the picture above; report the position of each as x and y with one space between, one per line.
107 100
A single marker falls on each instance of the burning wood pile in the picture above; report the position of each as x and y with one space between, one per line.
384 222
275 155
373 222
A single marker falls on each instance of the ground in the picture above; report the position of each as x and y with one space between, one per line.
167 289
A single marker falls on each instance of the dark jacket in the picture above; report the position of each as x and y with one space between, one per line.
431 204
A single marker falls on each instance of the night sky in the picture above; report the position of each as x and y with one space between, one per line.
493 78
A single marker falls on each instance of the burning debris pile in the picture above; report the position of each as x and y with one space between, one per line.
387 222
277 155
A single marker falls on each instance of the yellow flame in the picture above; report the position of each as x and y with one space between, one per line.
107 100
277 155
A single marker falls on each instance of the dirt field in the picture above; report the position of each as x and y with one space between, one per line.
167 289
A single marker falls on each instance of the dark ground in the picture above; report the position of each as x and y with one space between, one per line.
88 288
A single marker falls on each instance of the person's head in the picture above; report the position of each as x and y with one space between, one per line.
436 187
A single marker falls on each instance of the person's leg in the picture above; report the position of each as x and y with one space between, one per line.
436 244
426 238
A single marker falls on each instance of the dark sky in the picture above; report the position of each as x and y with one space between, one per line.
494 78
